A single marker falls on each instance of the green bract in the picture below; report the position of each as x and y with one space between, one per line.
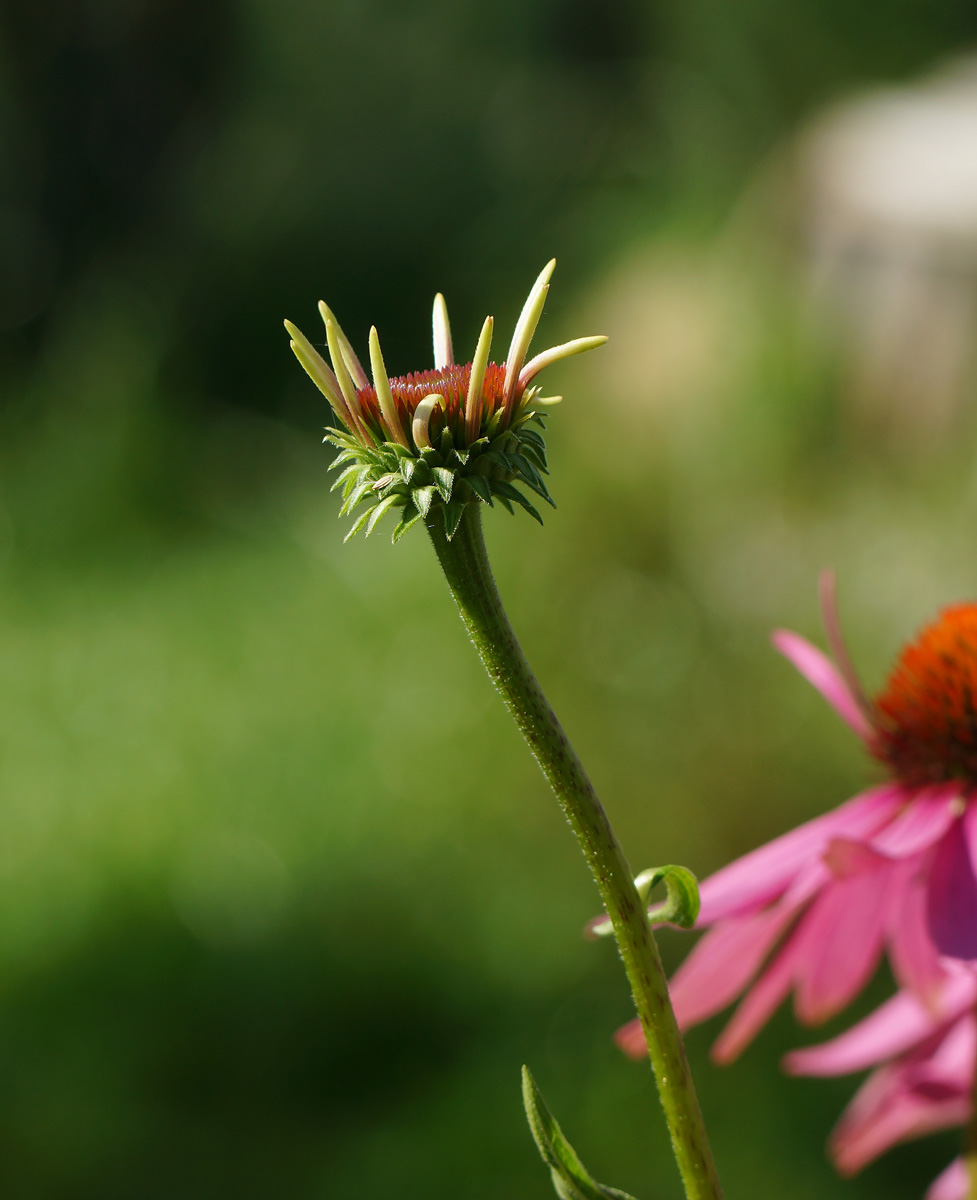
445 477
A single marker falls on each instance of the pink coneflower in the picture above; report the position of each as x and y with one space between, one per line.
925 1082
810 912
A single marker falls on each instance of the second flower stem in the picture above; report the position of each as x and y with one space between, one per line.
466 568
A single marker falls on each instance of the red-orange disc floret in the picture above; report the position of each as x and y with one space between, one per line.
927 714
450 382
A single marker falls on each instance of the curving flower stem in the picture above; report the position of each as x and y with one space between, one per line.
466 568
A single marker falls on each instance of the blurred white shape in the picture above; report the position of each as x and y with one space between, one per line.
890 188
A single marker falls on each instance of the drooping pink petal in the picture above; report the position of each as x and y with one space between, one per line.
754 880
841 938
886 1111
895 1027
951 1063
929 1088
912 952
952 900
822 674
723 963
951 1184
758 1005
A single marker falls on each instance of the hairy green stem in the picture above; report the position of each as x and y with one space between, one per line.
466 567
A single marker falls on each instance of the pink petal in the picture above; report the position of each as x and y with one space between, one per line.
822 674
723 963
951 1064
845 858
927 816
952 899
841 944
912 953
754 880
892 1029
631 1039
951 1184
758 1006
885 1112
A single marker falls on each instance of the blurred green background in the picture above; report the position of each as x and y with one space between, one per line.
284 903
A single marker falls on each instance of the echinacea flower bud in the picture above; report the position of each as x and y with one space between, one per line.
445 438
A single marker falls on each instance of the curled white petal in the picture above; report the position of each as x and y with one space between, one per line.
422 420
473 401
315 367
522 335
443 351
381 383
345 383
353 364
554 354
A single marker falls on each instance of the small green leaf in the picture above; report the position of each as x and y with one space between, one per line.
530 435
445 481
360 521
423 498
571 1179
498 458
407 469
505 491
520 463
408 520
536 457
453 512
533 480
349 473
355 496
378 512
480 486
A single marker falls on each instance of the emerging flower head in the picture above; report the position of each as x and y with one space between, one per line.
446 437
811 912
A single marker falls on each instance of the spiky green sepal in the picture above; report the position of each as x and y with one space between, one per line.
441 478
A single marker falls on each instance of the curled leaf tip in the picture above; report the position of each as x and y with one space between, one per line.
681 905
